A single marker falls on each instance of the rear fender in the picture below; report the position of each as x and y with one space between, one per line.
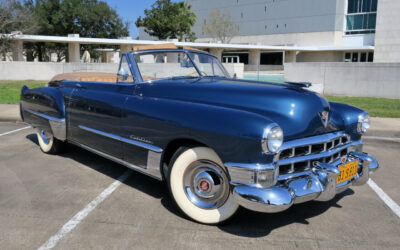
44 108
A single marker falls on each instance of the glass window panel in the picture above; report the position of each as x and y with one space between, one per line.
371 21
370 56
352 6
350 22
366 6
363 57
358 22
374 5
355 57
347 57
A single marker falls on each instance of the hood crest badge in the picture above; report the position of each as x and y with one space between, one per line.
324 118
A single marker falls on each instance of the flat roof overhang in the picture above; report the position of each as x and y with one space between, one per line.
106 41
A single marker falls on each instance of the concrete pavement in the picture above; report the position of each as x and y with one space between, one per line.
39 193
388 127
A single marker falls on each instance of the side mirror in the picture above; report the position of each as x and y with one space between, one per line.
123 75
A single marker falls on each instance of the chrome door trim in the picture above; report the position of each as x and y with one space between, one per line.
123 139
152 171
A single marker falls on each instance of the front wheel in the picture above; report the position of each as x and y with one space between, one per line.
200 186
48 144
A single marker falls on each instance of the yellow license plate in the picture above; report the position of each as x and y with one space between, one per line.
347 171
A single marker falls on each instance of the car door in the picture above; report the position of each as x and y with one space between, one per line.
95 112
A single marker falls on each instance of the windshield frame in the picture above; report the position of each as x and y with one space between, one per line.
136 70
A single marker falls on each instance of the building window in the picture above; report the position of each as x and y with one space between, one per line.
361 16
359 56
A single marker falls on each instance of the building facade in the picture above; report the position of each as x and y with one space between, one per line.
295 23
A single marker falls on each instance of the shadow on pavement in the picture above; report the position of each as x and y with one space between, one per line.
245 223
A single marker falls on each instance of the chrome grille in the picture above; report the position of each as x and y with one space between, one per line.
298 155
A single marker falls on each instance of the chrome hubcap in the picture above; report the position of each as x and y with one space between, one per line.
206 184
46 138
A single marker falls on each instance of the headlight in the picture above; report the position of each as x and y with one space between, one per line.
363 123
272 139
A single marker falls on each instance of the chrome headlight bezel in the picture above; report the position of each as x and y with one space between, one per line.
272 139
364 123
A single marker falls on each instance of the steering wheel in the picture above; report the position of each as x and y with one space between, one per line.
195 71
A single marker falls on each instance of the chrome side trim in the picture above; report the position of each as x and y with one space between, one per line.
123 139
147 171
44 116
57 125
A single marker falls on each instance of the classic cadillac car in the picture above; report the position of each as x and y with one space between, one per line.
175 114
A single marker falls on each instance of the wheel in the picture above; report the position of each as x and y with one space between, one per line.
200 186
48 144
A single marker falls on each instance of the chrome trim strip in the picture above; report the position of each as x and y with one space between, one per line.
143 170
45 116
123 139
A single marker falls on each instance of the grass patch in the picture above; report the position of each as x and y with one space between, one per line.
11 90
376 107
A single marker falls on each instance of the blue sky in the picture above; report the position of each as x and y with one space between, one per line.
130 10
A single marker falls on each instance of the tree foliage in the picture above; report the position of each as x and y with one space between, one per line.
166 20
220 26
14 16
88 18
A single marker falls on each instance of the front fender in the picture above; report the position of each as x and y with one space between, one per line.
345 117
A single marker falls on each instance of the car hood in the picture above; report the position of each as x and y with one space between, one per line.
296 110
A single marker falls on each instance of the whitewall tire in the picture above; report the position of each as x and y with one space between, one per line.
200 186
48 144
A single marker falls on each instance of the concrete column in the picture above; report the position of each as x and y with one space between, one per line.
17 50
125 48
217 52
74 53
290 56
254 57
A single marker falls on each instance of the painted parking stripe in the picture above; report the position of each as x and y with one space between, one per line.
388 201
13 131
384 138
81 215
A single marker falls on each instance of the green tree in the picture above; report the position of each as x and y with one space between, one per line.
13 17
88 18
166 20
220 26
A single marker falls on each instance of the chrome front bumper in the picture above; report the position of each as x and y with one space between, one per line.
317 184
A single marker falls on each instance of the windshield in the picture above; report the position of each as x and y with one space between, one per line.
209 65
172 64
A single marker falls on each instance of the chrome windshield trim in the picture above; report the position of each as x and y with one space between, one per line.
319 155
311 140
122 139
44 116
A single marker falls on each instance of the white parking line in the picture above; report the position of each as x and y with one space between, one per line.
384 138
81 215
13 131
388 201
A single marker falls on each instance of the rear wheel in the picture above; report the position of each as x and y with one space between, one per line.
200 186
48 144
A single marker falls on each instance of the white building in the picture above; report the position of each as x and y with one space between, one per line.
307 23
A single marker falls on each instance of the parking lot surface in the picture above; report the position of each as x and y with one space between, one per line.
40 193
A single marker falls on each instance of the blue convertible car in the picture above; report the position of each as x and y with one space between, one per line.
219 142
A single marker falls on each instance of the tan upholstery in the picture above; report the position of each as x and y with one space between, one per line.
86 76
